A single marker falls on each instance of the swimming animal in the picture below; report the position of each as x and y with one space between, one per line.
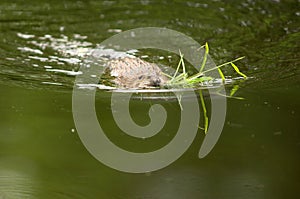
128 72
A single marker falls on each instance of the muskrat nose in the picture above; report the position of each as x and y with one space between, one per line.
156 82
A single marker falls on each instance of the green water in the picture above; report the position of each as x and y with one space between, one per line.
42 156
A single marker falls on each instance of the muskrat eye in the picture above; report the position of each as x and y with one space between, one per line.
140 77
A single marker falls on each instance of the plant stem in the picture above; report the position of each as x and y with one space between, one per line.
204 58
221 74
214 68
238 70
177 69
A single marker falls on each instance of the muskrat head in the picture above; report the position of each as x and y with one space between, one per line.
135 73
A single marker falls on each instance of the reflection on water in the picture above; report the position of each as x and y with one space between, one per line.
15 184
42 45
249 161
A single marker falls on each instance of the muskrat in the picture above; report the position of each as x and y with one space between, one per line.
130 72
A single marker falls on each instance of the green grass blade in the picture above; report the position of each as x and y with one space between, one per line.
198 80
214 68
195 76
167 75
204 58
221 74
178 66
227 96
237 70
178 78
183 66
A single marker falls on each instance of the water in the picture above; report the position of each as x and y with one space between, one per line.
41 47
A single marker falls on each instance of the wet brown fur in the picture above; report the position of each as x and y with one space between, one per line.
135 73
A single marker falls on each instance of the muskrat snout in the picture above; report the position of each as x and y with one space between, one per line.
156 82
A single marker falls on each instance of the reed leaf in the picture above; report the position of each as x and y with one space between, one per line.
238 70
221 74
204 57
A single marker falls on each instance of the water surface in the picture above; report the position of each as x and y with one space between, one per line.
42 46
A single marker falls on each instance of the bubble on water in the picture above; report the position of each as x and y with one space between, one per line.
78 36
114 30
277 133
293 112
47 66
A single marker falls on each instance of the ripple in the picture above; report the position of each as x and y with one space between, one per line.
30 50
17 181
71 73
25 36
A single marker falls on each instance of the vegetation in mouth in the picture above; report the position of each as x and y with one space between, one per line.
183 80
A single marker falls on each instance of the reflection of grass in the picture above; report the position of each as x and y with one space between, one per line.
182 80
204 111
